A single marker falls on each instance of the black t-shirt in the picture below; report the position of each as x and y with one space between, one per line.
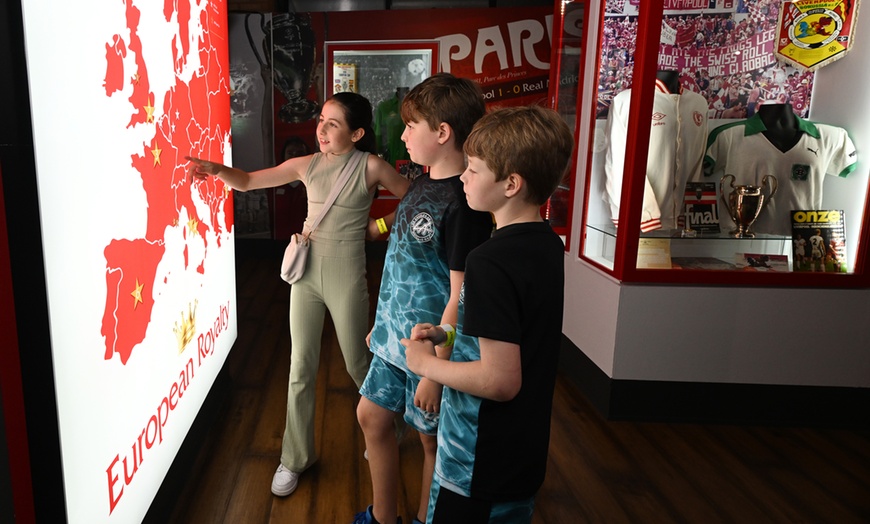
514 292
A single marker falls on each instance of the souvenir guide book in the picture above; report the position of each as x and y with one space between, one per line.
819 240
702 211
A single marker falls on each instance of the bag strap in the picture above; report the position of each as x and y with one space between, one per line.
349 167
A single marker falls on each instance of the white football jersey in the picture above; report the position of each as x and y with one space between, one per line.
678 132
800 246
742 150
818 245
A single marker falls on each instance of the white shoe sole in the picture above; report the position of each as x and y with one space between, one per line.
278 492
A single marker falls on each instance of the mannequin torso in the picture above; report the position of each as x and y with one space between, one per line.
671 79
782 130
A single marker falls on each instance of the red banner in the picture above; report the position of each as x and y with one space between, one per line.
745 56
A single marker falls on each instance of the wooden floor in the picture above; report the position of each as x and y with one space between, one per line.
599 471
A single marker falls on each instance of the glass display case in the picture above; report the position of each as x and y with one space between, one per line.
566 77
375 69
725 161
382 71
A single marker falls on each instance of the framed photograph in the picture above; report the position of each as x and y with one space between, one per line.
378 70
383 72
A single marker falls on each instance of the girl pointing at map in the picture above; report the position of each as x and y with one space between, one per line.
335 276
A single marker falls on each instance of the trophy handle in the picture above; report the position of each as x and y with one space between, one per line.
766 200
262 61
722 192
774 185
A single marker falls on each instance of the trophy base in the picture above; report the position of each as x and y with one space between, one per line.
742 233
298 111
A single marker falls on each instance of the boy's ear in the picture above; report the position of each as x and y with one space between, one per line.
444 132
514 184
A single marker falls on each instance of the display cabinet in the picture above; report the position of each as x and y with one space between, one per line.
377 68
383 72
679 183
663 320
566 77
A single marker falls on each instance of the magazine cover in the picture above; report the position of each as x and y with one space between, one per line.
702 211
819 240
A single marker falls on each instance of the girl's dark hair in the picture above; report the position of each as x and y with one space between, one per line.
358 113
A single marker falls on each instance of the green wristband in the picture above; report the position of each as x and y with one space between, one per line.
450 333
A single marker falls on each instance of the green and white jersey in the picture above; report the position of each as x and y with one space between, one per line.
742 150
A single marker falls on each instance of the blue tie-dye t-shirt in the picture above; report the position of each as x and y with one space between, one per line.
433 232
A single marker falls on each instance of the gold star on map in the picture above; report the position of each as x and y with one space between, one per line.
149 112
191 225
135 79
156 152
137 294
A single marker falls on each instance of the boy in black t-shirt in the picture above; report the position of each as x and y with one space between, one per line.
493 435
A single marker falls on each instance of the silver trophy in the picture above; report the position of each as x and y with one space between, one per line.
746 202
291 59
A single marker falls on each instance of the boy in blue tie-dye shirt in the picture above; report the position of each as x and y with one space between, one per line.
433 231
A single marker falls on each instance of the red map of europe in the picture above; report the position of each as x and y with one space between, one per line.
192 117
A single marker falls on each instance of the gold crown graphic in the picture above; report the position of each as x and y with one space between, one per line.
184 333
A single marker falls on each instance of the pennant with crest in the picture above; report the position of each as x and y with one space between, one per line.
814 33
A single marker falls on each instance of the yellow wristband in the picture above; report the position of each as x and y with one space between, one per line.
382 225
450 333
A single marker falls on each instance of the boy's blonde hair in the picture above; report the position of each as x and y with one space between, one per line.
443 97
531 141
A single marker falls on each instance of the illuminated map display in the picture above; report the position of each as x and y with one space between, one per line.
139 261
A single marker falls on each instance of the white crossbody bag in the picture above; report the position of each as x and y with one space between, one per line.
296 253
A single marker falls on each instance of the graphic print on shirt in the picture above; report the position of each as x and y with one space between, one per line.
800 172
423 227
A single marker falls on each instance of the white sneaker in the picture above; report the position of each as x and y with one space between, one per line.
284 481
